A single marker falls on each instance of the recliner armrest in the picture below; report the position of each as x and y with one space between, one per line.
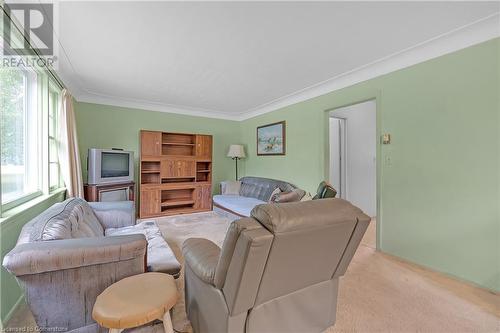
47 256
202 256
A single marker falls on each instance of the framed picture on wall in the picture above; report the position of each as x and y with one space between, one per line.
271 139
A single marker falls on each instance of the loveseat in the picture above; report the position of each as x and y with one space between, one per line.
69 254
252 191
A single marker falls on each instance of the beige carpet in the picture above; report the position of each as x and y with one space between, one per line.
379 293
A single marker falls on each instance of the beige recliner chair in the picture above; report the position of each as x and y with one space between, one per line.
277 271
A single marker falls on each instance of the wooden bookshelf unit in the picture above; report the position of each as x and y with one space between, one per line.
175 173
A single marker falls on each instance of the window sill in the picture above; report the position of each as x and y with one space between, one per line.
19 210
21 201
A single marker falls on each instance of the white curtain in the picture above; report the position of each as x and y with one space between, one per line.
69 155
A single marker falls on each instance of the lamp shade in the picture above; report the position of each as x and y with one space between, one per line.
236 151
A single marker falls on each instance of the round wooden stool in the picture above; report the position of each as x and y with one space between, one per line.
135 301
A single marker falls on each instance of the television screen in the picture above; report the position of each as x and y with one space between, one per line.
114 165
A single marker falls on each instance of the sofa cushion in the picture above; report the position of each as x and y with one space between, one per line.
292 196
261 188
237 203
230 187
160 257
72 218
114 214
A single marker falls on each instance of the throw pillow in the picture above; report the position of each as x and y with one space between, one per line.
274 195
231 187
325 190
291 196
307 197
329 191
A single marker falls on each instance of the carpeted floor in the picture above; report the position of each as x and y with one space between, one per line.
379 293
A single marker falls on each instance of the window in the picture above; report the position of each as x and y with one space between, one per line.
29 103
19 136
54 168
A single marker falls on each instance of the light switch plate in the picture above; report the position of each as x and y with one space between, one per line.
386 139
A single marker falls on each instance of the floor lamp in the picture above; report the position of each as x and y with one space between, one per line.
236 152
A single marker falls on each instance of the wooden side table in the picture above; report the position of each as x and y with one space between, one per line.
135 301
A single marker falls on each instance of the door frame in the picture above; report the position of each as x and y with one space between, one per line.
368 95
343 156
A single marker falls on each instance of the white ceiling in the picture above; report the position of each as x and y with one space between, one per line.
237 59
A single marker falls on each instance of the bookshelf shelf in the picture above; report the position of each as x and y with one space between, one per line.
177 144
175 173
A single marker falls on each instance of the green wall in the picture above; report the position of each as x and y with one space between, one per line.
438 179
103 126
438 196
10 227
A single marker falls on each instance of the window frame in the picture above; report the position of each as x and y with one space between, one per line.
53 88
44 87
31 92
45 77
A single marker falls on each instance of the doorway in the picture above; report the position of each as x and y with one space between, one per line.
353 152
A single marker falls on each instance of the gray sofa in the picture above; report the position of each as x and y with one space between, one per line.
253 191
65 258
277 271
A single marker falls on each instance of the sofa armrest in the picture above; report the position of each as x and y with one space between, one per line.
202 256
114 214
47 256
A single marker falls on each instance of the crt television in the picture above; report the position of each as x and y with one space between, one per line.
110 166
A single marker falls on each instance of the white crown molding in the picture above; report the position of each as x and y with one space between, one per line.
471 34
92 97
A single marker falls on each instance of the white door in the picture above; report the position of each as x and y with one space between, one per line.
355 173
